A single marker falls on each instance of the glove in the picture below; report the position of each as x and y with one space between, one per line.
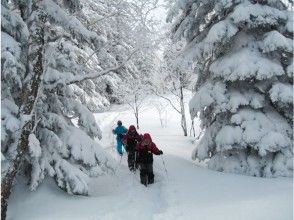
160 152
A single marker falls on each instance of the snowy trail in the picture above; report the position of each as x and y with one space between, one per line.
190 191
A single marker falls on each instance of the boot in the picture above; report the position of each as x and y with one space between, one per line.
150 178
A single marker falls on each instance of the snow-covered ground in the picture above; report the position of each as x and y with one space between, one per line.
188 191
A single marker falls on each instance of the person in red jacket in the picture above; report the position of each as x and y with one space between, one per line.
131 138
145 150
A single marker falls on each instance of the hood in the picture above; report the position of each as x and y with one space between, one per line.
147 136
132 128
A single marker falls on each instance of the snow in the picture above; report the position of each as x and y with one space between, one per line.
282 92
290 69
34 146
256 15
222 30
189 191
245 64
263 130
242 80
70 178
227 137
223 99
8 112
289 25
207 95
10 44
275 41
70 22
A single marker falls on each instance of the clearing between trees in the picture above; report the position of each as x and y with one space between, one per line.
189 191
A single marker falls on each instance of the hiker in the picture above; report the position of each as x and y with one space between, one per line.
145 150
120 130
130 141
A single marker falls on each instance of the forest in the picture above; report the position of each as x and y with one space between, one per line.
150 109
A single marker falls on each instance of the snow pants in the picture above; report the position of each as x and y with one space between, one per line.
119 146
146 173
132 160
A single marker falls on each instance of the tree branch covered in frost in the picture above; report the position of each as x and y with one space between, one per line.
102 73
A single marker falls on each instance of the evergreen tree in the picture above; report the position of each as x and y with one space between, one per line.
242 52
46 129
61 61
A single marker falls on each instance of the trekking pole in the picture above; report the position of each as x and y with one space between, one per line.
164 167
135 164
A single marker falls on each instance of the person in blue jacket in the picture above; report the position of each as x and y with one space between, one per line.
120 130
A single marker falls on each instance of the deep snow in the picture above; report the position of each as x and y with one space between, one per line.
188 191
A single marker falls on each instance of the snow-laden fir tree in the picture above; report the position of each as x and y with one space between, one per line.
243 54
46 129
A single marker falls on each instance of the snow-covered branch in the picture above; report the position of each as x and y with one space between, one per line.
82 78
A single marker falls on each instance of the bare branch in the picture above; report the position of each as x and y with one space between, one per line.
82 78
35 126
156 93
133 108
105 16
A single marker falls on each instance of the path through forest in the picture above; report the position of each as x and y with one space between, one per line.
189 191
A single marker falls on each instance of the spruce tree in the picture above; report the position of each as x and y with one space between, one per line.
242 52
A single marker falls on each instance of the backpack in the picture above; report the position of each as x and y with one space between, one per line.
145 156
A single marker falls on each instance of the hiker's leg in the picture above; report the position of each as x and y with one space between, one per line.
150 173
135 160
119 146
131 160
143 174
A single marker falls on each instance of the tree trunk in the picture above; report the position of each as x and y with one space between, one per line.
160 118
192 131
137 111
29 97
137 120
184 125
7 182
183 114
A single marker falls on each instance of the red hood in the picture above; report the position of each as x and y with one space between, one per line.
147 137
132 128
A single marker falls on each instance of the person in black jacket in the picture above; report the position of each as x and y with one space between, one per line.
131 138
145 149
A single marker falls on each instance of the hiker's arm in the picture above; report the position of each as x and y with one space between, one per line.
125 139
155 150
139 138
137 147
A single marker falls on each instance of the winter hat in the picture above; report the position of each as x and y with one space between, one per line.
132 128
147 136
